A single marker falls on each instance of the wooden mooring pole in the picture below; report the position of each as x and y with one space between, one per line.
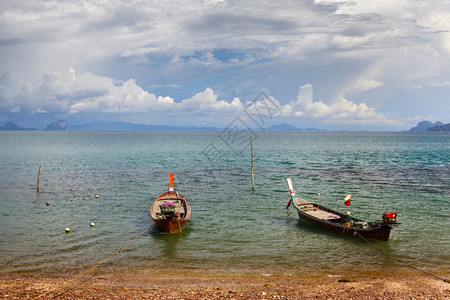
39 175
253 177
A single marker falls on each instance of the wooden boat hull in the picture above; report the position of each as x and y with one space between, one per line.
174 226
329 219
170 223
380 233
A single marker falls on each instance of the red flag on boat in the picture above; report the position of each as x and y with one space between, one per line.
348 198
289 203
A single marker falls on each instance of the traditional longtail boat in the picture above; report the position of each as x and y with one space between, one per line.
324 217
170 211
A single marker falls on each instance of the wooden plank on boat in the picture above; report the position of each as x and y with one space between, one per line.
302 201
323 215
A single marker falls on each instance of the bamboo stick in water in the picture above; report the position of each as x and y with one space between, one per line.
39 175
253 177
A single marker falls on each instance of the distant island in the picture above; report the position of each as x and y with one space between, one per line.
424 126
58 125
12 126
427 126
440 128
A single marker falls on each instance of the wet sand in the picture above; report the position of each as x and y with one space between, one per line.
182 284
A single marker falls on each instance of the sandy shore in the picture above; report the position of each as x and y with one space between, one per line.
175 284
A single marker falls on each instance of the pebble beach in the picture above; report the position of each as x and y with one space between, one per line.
179 284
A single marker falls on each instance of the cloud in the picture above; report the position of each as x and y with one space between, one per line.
362 7
88 93
342 111
372 52
440 84
159 86
206 101
129 98
304 106
366 85
419 118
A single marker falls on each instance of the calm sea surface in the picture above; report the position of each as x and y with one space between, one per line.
231 228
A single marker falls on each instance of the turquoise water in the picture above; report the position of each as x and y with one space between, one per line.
231 228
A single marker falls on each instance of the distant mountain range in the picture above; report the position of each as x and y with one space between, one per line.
124 126
423 126
288 127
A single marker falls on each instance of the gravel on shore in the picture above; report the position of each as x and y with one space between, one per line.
175 284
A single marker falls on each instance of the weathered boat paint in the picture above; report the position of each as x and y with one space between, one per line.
329 219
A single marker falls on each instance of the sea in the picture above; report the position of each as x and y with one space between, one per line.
111 179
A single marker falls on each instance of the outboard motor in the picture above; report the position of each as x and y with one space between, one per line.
390 218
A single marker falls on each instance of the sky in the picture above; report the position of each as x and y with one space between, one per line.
330 64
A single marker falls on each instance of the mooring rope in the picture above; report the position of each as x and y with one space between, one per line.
179 225
404 264
94 267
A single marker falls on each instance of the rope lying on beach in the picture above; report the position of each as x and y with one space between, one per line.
404 264
95 266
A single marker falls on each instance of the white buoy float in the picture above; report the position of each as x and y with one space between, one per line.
318 194
97 196
67 230
92 224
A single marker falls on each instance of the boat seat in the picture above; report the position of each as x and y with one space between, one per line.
180 209
307 207
324 215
